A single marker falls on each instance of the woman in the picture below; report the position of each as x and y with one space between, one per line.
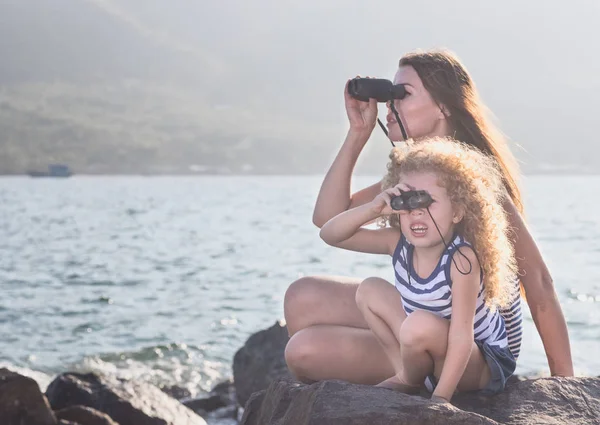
329 336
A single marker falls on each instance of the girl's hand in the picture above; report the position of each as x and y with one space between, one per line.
438 399
381 204
362 115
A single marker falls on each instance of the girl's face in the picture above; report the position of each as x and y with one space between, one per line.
420 114
417 225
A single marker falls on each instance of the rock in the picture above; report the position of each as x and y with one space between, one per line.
22 401
226 390
221 396
208 404
260 361
341 403
175 391
84 416
127 402
227 412
540 401
545 401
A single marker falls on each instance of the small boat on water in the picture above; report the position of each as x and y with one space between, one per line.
54 170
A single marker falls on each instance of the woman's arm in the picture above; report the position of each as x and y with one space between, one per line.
465 288
541 296
334 196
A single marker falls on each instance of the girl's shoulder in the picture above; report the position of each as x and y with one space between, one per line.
460 258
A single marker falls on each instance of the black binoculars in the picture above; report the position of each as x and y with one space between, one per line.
411 200
380 89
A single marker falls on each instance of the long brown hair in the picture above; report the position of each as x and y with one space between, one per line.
450 85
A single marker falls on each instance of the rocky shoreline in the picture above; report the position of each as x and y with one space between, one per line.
263 393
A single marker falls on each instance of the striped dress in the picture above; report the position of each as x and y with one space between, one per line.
500 328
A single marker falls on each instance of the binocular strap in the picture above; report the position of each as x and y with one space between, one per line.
398 120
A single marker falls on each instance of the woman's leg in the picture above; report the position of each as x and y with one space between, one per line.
322 300
424 341
330 338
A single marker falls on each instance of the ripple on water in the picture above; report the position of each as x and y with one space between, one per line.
583 297
87 327
77 313
170 364
103 299
83 282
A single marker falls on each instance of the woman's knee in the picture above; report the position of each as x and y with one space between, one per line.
300 292
419 328
299 298
301 355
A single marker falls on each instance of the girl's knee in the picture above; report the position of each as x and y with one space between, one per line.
419 328
368 290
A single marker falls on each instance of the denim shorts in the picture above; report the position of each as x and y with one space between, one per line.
502 365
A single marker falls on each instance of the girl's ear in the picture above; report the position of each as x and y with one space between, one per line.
459 213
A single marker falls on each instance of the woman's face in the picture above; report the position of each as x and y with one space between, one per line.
420 114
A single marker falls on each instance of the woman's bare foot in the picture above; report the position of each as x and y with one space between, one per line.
397 384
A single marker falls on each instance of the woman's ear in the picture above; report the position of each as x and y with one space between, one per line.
444 112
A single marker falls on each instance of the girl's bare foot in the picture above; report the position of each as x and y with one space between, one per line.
397 384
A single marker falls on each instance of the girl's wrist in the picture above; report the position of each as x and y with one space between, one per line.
439 399
374 209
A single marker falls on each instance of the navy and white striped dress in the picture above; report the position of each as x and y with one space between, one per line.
513 321
501 328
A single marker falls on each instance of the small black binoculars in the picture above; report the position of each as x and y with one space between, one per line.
411 200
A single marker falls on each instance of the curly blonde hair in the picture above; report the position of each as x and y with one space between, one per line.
474 183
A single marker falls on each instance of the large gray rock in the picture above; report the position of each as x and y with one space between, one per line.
260 361
83 415
126 402
22 401
340 403
541 401
547 401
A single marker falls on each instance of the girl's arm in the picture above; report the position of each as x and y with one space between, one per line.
465 289
345 229
541 296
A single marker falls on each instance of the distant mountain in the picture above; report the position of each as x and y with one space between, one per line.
148 86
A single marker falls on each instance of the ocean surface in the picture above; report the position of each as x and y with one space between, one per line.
164 278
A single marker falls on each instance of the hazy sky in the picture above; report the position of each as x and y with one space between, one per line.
284 63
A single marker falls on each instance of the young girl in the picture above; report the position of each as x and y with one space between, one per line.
453 264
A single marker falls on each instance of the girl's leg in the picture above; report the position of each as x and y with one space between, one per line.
381 306
329 336
424 341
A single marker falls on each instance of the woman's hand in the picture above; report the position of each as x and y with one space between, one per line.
362 115
381 204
